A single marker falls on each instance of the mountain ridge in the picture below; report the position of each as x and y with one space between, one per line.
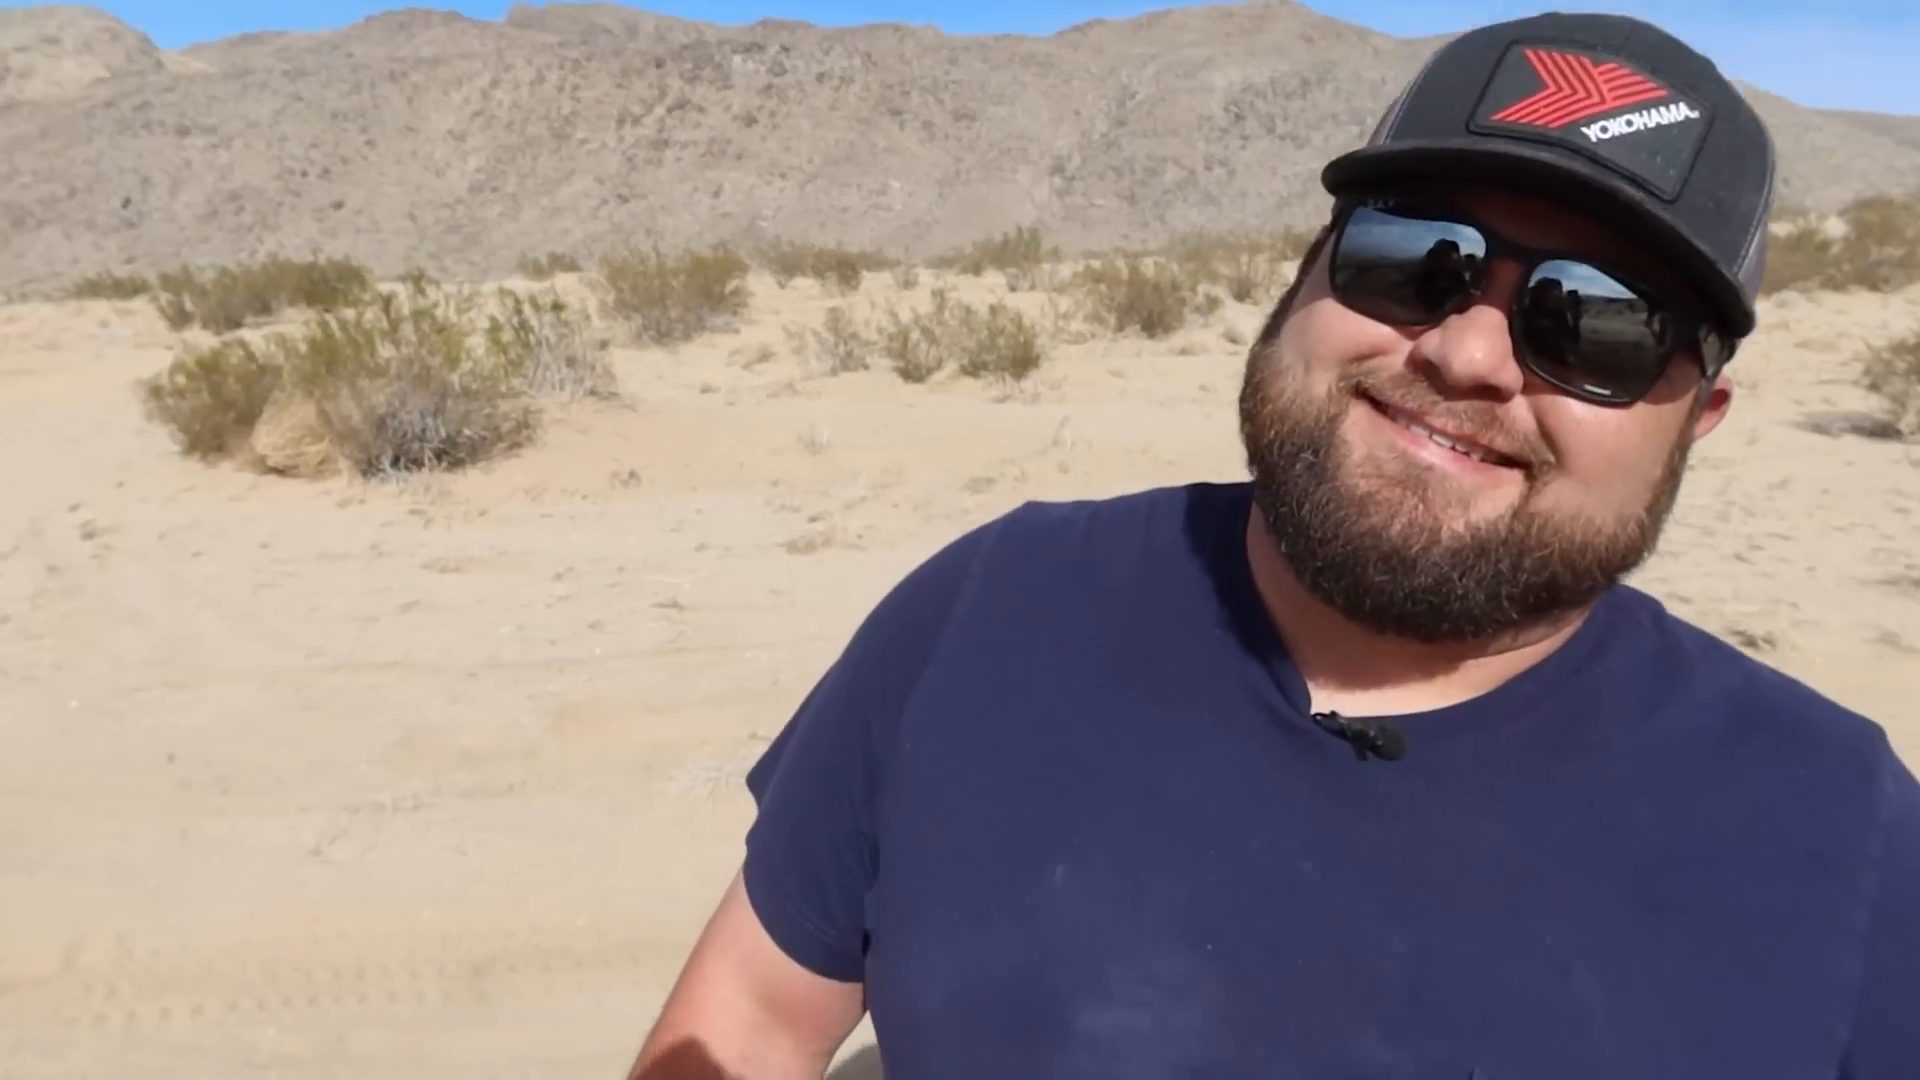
420 137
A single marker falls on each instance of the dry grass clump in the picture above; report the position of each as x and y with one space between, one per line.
669 299
841 270
107 285
995 342
1892 372
1021 255
1251 269
840 344
414 379
1876 248
226 298
1148 294
547 267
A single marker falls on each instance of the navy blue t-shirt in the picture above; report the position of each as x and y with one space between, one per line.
1061 806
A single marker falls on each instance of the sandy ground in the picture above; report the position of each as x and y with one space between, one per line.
439 779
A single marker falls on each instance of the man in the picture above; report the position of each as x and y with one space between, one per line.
1370 768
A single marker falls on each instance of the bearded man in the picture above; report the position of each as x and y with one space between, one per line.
1370 768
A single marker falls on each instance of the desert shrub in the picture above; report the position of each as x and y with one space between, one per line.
841 270
226 298
1136 292
995 342
1019 254
670 299
1892 372
209 398
906 277
401 385
1799 258
107 285
838 270
1000 344
547 347
414 379
840 342
546 267
922 344
1877 248
1881 249
1249 268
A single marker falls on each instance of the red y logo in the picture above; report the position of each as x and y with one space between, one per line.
1576 88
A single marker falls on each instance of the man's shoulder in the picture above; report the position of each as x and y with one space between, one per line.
1132 540
1184 513
1748 697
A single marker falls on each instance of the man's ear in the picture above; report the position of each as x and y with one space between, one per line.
1711 403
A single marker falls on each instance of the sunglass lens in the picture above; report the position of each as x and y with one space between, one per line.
1397 266
1590 334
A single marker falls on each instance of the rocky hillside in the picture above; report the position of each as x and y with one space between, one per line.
425 138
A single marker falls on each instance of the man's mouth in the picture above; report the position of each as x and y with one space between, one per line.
1459 444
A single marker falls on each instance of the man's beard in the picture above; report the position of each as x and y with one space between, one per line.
1383 547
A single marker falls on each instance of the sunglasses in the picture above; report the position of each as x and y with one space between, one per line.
1589 330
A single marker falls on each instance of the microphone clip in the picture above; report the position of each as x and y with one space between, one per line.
1367 740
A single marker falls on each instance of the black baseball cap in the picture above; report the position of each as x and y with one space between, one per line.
1614 114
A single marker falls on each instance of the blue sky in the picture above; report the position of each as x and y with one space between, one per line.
1837 53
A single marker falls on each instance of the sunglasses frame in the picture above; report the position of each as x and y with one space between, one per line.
1692 330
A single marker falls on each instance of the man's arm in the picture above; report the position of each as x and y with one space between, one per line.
743 1010
1885 1044
774 984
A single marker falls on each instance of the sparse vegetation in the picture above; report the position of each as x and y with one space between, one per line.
423 377
1875 246
547 267
840 270
994 342
1251 269
227 298
1000 344
840 343
1153 296
107 285
670 299
1892 372
414 379
209 399
1020 255
547 348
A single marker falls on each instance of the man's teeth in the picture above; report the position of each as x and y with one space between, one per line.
1457 447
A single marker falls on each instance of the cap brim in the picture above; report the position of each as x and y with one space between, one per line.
1549 172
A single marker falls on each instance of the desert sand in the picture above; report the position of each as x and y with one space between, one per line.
439 778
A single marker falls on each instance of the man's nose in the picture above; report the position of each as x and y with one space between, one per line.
1471 353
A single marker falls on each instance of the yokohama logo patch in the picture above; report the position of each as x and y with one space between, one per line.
1601 106
1640 120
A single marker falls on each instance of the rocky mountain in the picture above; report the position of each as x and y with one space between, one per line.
425 138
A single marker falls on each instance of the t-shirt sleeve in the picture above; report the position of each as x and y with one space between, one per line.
812 851
1886 1036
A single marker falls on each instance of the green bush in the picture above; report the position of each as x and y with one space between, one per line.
210 398
1877 249
670 299
414 379
1136 292
107 285
995 342
226 298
